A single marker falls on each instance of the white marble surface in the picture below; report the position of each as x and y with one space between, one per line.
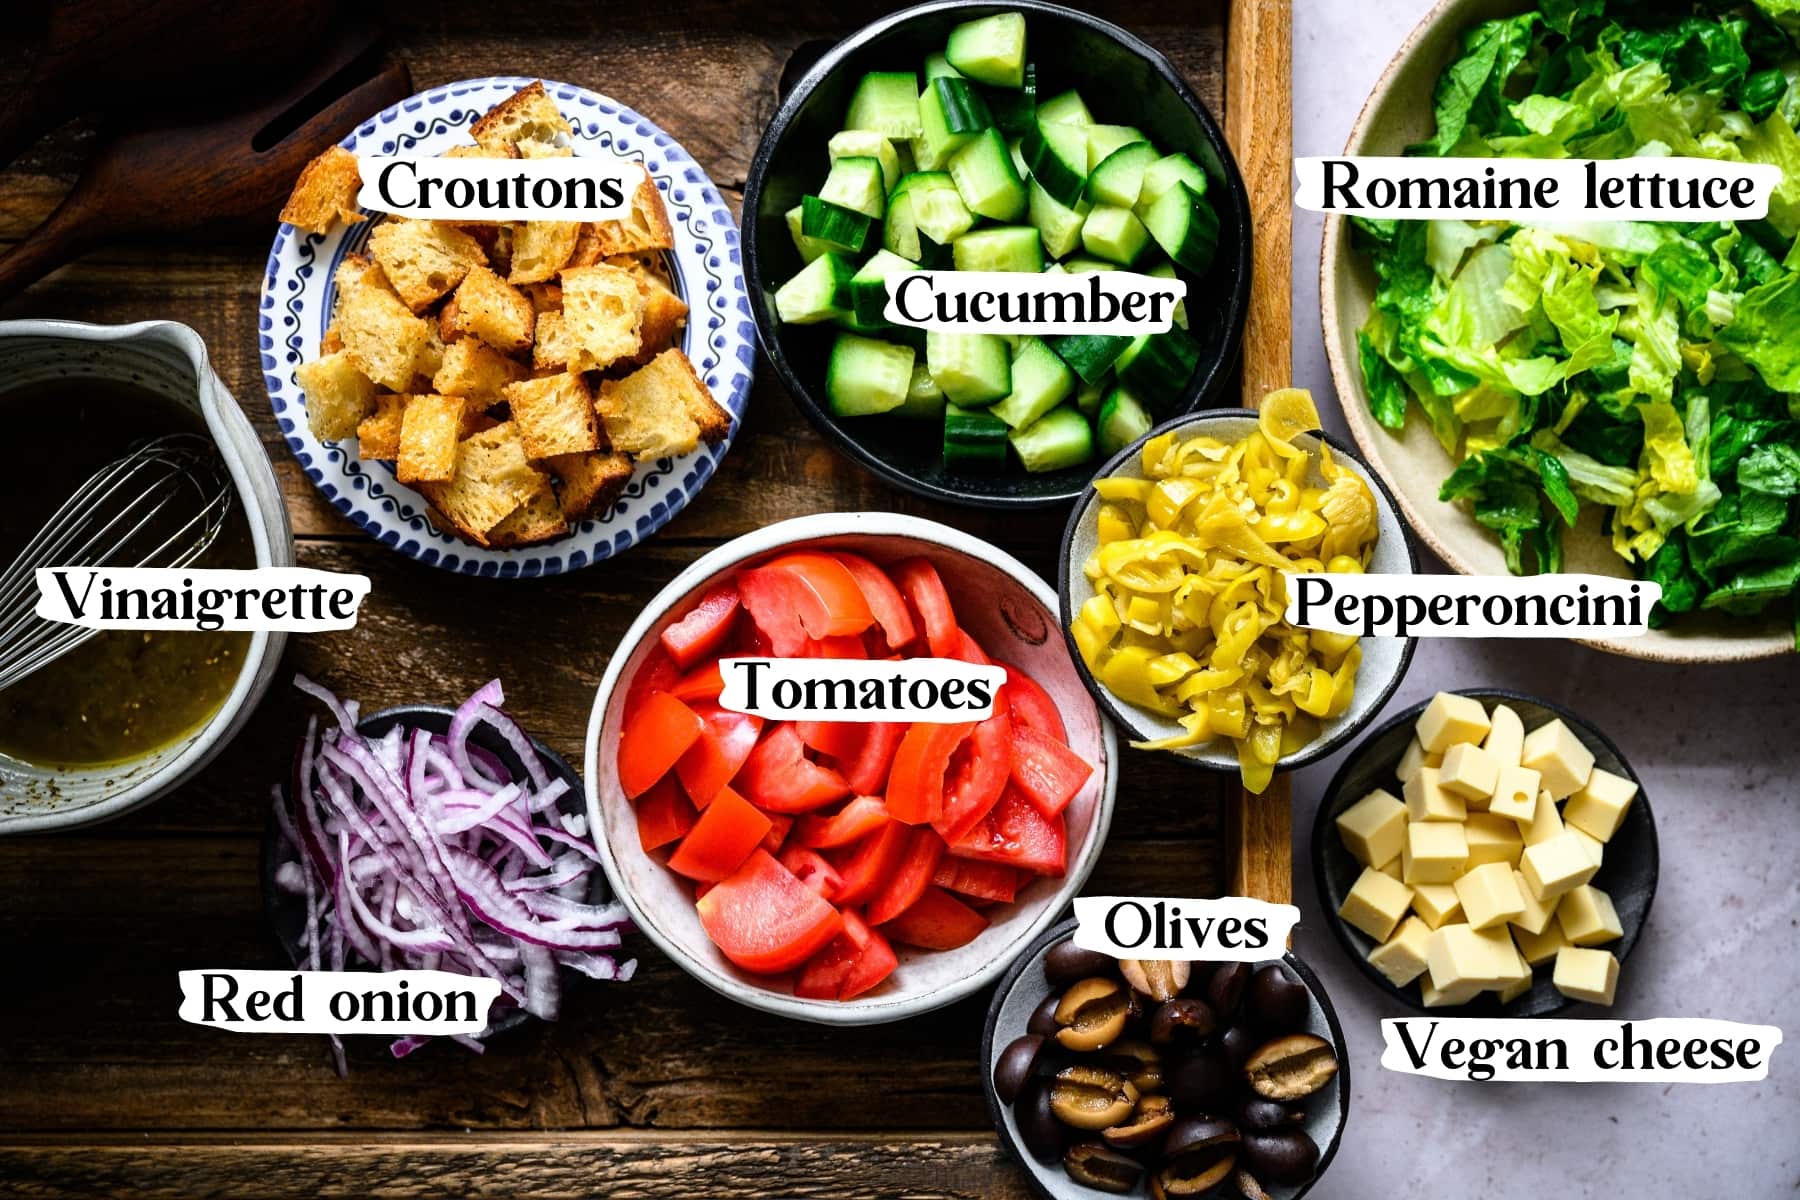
1719 753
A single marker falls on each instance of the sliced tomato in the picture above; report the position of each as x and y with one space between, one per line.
841 740
657 673
876 963
936 921
1046 771
724 836
857 819
772 598
969 650
804 595
866 866
779 825
885 602
915 792
779 777
655 736
810 868
664 815
751 641
857 959
924 590
911 875
704 630
714 760
1031 705
702 683
980 880
978 772
765 920
1015 834
837 647
867 772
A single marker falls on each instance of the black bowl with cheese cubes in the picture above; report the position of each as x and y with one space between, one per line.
992 137
1487 853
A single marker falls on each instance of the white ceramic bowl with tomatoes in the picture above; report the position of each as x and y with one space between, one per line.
847 873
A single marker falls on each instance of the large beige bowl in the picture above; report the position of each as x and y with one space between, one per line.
1398 114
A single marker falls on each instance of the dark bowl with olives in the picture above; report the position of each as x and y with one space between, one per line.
1166 1079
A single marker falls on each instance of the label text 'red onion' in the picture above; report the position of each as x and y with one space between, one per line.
1119 302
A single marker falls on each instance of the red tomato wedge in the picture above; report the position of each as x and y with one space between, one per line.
779 777
663 815
875 964
1015 834
867 772
765 920
911 876
924 590
724 836
977 773
803 595
655 736
936 921
857 819
856 960
704 630
810 868
714 760
837 647
779 825
658 673
702 683
915 792
1048 772
865 867
885 602
1031 705
841 740
968 650
983 881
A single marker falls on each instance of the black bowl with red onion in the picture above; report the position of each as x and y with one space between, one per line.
467 851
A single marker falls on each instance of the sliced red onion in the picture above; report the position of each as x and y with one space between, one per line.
465 808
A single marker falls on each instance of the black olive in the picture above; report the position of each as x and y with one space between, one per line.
1264 1116
1099 1166
1225 990
1016 1064
1043 1018
1287 1157
1203 1078
1039 1129
1277 1002
1239 1043
1183 1018
1066 963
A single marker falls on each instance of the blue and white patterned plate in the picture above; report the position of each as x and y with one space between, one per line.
720 338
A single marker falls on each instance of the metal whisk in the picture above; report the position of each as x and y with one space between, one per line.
160 505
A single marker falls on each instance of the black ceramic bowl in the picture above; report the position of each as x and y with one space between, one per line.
286 912
1024 987
1123 81
1628 873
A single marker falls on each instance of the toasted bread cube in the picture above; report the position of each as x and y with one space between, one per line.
645 227
424 260
661 409
1373 828
587 247
430 428
378 437
1402 958
1538 914
1505 740
1557 866
528 115
382 337
1450 719
604 314
497 150
1492 839
541 249
650 266
359 271
1489 896
555 415
430 359
1588 917
1470 773
545 297
664 315
487 307
552 347
1434 852
476 371
589 483
539 519
1375 904
493 477
1539 948
532 148
1427 799
1598 809
1591 975
1515 794
1437 903
330 342
338 396
1554 752
325 193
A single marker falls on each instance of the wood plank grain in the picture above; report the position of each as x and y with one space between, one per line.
923 1167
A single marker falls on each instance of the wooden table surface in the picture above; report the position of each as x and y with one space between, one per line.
656 1088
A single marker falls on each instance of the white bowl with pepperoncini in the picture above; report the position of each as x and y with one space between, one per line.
1173 593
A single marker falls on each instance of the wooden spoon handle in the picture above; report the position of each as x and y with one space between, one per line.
70 230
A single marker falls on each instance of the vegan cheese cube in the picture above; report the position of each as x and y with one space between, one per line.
1557 866
1426 799
1598 809
1437 904
1492 839
1391 868
1402 958
1373 828
1490 897
1376 903
1506 737
1538 915
1590 975
1414 758
1558 755
1596 850
1435 852
1450 719
1507 962
1470 773
1435 997
1459 958
1539 948
1588 918
1545 823
1516 989
1515 793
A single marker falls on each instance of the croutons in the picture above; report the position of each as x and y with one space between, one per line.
538 519
381 336
492 478
430 428
554 415
325 193
378 437
497 150
541 249
604 312
645 227
527 116
424 260
338 396
589 483
662 409
488 307
664 315
553 349
476 371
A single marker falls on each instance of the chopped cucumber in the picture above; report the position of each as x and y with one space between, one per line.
937 66
1014 110
867 376
1081 264
1066 109
856 183
820 292
1165 173
973 439
937 139
866 143
1102 140
1119 178
1089 355
924 398
985 179
971 368
1040 381
937 207
867 289
1059 224
1015 149
886 102
1000 248
963 108
1089 397
991 49
839 228
1114 234
809 248
1122 421
1186 227
1159 367
1060 438
1057 155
